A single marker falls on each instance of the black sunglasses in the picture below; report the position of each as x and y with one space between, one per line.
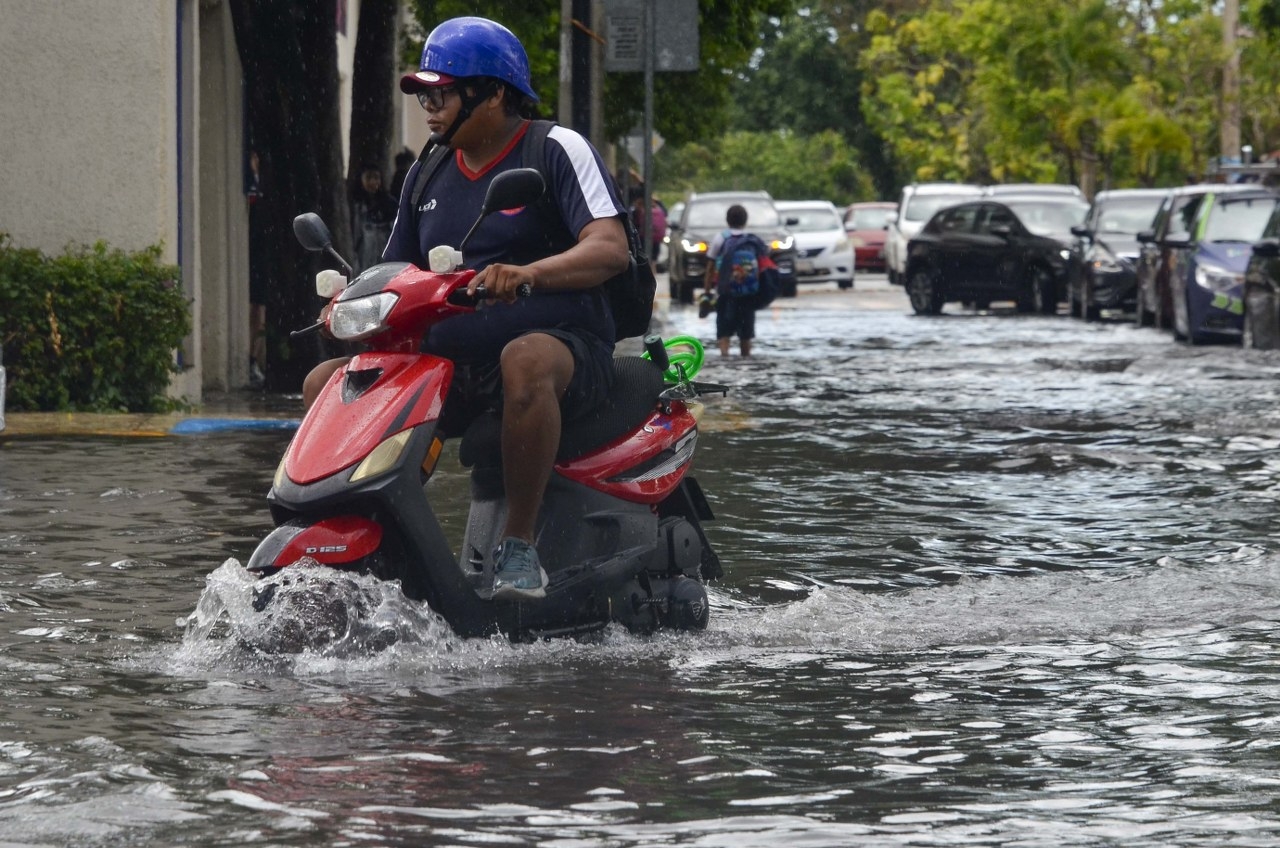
433 98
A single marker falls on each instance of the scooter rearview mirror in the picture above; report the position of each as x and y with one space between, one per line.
513 189
310 231
509 190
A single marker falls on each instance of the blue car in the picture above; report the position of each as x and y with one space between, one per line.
1206 269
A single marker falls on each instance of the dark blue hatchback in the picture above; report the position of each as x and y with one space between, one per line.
1206 270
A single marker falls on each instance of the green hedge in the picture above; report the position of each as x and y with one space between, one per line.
93 330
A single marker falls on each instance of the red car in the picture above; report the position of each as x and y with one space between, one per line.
865 224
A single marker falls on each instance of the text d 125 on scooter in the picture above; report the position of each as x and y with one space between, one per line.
620 532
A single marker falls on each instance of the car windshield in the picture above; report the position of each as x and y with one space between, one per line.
704 214
922 207
1128 215
1241 219
811 219
1046 216
868 219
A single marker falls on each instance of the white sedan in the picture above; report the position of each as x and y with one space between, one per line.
823 250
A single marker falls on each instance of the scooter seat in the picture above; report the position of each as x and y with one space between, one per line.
636 385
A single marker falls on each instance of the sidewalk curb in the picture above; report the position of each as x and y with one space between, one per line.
53 424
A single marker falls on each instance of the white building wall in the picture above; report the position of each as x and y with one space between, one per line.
88 118
121 121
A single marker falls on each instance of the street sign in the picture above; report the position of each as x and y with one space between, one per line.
675 29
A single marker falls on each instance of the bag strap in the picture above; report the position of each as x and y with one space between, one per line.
433 155
533 155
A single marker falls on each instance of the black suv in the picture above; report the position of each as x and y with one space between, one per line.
703 218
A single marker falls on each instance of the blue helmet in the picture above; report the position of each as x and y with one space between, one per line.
471 47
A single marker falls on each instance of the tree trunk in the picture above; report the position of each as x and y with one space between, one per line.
289 58
372 87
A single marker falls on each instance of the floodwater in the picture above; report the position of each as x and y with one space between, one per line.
991 580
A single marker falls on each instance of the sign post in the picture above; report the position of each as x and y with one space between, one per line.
632 28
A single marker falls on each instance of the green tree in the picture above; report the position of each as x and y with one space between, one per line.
1090 91
806 77
689 106
768 161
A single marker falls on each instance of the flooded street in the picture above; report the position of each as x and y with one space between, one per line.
991 579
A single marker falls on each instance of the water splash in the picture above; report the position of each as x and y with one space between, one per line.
306 610
325 623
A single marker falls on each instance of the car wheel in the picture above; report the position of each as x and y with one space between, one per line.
1044 294
1141 315
1089 311
925 291
1260 323
845 284
686 291
1191 336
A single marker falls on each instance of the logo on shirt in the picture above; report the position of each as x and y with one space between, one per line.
428 206
512 212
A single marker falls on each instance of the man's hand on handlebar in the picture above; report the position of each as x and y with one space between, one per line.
503 282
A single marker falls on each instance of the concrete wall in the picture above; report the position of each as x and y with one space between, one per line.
88 118
121 121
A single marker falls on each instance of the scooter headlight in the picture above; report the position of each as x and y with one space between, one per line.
352 320
693 246
784 243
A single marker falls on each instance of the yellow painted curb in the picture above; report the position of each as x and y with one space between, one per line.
104 424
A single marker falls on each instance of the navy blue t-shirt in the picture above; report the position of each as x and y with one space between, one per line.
583 192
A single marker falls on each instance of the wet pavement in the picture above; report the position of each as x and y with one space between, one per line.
990 579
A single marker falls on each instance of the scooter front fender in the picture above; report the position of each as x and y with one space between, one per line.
374 397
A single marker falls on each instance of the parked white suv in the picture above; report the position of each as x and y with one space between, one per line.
919 202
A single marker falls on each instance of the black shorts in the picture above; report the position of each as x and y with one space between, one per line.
735 316
477 389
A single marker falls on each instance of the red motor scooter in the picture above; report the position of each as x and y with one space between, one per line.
620 529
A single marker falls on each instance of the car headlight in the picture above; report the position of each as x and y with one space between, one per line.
858 241
1105 262
841 246
782 243
352 320
1217 279
693 246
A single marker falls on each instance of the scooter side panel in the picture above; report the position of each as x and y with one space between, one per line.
644 466
347 422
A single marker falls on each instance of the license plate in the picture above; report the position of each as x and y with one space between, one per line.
804 266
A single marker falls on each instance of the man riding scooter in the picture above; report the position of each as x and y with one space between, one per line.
544 359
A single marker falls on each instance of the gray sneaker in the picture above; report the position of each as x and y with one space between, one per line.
519 575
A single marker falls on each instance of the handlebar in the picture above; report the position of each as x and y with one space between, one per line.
459 296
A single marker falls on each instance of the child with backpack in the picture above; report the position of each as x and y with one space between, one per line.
744 278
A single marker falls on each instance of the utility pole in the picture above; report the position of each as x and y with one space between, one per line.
1230 130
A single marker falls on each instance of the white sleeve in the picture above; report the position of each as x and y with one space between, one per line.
713 249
